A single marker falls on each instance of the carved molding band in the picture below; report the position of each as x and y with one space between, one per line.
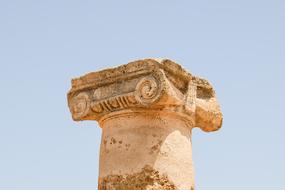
114 103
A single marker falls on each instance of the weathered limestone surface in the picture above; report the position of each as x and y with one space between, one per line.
146 110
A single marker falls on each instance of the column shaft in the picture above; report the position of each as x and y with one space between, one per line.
146 150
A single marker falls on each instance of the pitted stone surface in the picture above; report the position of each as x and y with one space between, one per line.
147 179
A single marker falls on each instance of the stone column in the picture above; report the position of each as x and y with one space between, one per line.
146 110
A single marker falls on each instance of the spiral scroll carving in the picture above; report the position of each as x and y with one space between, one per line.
80 105
147 90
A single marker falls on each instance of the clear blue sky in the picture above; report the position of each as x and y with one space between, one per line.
238 45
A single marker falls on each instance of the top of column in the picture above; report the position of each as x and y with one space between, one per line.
145 85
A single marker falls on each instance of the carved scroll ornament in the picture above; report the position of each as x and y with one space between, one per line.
145 84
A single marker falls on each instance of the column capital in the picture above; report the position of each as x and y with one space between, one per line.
145 85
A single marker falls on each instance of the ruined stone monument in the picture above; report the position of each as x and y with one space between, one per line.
146 109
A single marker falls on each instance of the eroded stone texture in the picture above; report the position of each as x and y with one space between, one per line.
146 110
147 179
